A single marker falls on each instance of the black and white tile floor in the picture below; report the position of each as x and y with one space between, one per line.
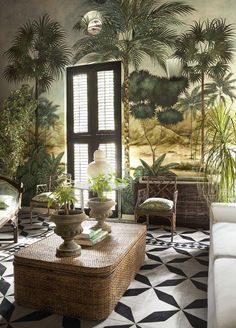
170 289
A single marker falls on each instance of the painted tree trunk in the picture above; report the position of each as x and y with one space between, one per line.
144 125
203 119
36 129
191 133
126 118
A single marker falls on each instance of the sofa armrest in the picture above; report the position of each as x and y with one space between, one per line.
223 212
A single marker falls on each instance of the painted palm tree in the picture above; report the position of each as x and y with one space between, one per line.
131 30
190 102
47 113
206 51
39 55
221 89
48 117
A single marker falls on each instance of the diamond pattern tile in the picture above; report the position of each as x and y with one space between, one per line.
170 289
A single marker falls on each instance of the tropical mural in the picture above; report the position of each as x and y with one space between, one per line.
175 123
156 125
178 63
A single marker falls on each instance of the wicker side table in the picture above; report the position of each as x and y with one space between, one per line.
89 286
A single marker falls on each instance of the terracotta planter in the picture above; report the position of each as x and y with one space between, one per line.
101 211
67 227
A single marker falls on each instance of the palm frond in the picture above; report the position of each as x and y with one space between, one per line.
44 82
218 70
39 52
208 45
171 9
48 31
81 24
102 45
129 27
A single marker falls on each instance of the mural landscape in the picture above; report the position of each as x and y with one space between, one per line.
173 74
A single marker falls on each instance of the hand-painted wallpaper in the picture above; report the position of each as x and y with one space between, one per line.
168 104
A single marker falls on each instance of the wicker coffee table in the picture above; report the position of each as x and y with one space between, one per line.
88 286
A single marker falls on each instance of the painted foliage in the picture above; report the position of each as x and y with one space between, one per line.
171 118
166 113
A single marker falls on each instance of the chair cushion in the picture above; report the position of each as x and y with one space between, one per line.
3 205
157 204
43 197
9 207
6 201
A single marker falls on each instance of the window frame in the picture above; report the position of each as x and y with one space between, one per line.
94 136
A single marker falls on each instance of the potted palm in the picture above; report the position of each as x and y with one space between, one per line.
68 220
220 158
101 206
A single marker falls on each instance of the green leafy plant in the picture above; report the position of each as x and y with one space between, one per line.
15 117
128 200
39 54
220 158
64 197
221 89
206 50
37 169
101 184
157 169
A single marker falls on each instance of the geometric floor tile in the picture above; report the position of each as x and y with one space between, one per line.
170 290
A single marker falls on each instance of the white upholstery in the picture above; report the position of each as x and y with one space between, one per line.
222 267
223 240
223 212
225 291
12 203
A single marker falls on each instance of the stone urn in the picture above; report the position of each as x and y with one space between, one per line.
100 211
67 227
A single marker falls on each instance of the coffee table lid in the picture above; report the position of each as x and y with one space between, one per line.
101 258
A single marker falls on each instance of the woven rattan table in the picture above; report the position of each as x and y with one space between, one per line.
88 286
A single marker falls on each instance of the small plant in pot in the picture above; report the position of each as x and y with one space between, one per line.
68 220
101 206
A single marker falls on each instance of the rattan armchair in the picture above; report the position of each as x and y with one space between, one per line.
43 192
158 198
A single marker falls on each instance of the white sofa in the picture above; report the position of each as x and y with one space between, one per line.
222 267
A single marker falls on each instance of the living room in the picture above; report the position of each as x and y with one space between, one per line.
135 99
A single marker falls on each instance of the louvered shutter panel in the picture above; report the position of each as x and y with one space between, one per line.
80 169
110 151
105 85
80 103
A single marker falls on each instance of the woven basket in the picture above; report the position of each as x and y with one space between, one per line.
89 286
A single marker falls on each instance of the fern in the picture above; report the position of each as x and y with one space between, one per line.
157 169
37 170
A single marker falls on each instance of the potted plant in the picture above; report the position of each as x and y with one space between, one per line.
220 158
100 206
68 220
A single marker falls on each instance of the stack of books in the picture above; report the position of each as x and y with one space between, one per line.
91 236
